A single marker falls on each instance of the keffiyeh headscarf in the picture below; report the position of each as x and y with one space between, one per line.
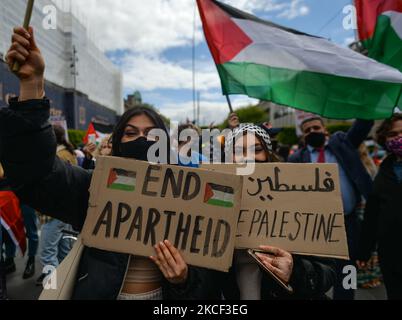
249 128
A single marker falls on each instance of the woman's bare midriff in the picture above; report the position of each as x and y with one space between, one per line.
140 288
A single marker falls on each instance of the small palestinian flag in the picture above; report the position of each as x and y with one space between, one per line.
122 180
90 132
220 196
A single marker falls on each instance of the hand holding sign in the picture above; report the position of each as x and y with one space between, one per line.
171 263
278 261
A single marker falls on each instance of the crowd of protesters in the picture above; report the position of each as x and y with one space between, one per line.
54 184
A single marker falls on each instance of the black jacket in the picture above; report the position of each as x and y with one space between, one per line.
345 146
4 185
88 164
383 217
60 190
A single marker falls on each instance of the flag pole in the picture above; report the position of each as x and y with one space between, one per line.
229 103
27 20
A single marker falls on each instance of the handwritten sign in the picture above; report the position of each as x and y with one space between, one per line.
134 205
297 207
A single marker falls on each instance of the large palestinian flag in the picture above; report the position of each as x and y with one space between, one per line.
380 29
269 62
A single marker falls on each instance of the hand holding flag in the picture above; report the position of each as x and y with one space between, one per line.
91 135
32 65
27 19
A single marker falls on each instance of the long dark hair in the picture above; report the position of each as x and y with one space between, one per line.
118 132
61 138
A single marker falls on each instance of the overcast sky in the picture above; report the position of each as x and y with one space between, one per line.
151 40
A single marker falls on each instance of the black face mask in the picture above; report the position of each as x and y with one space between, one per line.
137 149
316 139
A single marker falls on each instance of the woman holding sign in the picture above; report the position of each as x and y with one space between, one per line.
273 273
61 190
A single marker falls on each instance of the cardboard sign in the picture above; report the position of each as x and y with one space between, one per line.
296 207
61 122
134 205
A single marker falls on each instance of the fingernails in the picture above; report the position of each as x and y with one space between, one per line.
167 242
161 243
27 35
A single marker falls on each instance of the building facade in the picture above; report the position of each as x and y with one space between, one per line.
81 82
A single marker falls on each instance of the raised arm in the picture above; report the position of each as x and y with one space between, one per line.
28 144
359 132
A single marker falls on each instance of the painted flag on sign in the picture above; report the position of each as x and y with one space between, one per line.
122 180
269 62
217 195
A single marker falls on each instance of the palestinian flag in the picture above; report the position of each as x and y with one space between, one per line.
91 135
11 219
220 196
122 180
269 62
380 29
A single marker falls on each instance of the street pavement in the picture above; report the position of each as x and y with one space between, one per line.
19 289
